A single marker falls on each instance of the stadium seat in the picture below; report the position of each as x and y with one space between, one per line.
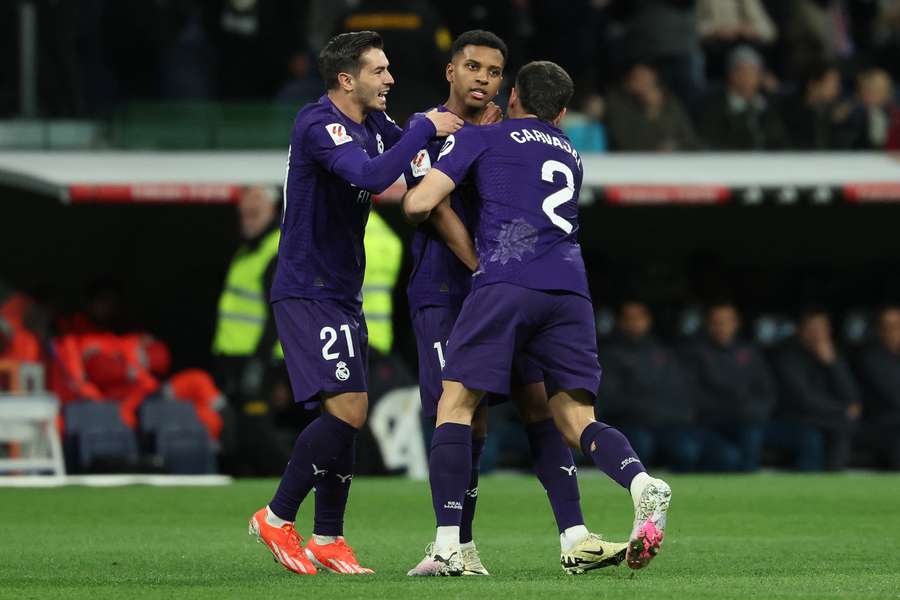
178 441
97 439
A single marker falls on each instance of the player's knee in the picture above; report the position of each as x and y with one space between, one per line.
350 408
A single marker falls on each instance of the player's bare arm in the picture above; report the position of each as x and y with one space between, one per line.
451 228
422 199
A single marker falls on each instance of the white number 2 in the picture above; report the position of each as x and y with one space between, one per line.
559 198
331 335
440 353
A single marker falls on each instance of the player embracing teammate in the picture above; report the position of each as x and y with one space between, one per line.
527 320
529 298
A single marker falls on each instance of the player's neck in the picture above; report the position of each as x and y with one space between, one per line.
466 113
346 105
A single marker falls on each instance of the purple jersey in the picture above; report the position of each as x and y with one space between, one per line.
438 277
334 167
528 176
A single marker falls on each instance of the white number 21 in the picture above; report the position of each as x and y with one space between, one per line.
331 335
559 198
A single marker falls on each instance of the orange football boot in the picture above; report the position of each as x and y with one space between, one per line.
284 543
337 557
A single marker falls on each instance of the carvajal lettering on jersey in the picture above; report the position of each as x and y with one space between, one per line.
523 136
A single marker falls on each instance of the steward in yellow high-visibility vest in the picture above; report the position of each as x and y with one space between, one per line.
384 255
246 340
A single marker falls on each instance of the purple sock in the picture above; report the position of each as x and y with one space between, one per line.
555 468
449 470
316 451
611 452
332 492
468 511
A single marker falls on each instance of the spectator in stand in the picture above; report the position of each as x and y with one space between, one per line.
726 24
735 390
643 393
303 86
663 33
584 127
817 117
644 117
880 372
816 30
819 404
741 116
875 119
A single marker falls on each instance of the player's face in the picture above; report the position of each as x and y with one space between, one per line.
475 75
374 81
722 324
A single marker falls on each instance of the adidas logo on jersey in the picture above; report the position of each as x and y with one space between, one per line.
338 134
342 373
421 164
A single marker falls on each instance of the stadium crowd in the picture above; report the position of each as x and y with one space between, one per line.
652 75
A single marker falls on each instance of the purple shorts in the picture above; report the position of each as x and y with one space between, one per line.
326 347
502 320
432 326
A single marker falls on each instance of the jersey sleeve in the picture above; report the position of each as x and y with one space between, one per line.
459 153
378 173
326 142
421 163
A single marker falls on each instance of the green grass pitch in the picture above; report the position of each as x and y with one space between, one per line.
762 536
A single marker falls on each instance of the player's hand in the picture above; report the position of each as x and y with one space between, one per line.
445 122
492 114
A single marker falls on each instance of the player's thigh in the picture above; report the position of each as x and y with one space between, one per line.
565 346
325 347
432 326
485 338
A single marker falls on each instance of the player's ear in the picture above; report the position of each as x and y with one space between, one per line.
448 73
513 99
559 117
345 81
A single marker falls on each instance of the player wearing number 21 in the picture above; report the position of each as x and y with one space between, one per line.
529 295
344 148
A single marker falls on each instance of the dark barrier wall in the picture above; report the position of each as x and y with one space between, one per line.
171 259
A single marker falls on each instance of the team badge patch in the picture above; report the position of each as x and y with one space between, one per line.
447 147
338 134
342 373
421 163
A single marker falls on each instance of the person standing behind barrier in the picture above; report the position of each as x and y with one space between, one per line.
735 389
819 403
246 341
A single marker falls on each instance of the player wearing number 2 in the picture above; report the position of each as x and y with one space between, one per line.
440 280
529 296
344 148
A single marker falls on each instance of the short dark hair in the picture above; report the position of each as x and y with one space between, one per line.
342 53
544 89
479 37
